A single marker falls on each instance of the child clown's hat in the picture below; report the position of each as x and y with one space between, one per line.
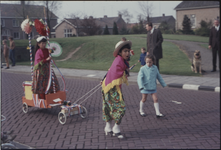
119 45
40 38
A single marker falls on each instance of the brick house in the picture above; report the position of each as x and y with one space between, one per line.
196 11
11 19
67 27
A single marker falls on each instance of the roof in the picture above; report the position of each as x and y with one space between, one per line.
99 21
69 21
106 21
160 19
196 5
15 11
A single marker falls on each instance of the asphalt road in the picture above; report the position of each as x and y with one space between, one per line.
194 123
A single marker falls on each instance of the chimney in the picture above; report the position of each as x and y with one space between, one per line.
105 16
163 15
120 15
91 17
23 3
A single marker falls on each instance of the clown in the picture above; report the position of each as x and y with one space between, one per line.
113 102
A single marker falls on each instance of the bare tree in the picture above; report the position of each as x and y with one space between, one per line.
89 26
76 20
146 9
51 8
125 14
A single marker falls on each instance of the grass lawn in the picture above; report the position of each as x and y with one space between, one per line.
97 54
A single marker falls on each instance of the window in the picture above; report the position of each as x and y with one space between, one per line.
67 32
193 21
6 32
15 23
16 35
3 22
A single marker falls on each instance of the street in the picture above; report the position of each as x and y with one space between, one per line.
192 119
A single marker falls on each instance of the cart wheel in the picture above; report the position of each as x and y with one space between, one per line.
25 107
83 113
62 118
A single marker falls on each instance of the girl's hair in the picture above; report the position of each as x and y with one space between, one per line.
37 47
125 46
152 57
123 39
143 48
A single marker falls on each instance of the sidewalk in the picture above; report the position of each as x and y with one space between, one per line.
185 82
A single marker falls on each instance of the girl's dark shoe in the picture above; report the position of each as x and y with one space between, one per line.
160 115
118 135
7 68
143 114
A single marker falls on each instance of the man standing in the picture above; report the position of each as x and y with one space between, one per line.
214 42
154 42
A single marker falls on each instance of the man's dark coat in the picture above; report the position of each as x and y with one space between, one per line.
157 43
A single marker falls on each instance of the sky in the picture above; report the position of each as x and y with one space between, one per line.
98 9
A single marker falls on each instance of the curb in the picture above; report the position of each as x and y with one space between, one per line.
174 85
194 87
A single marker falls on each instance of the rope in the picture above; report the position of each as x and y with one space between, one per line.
61 75
87 93
29 38
90 95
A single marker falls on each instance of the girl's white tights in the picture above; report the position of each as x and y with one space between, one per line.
141 107
108 126
116 128
156 106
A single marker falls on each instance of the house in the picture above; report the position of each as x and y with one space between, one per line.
156 21
12 17
197 11
170 20
109 21
68 27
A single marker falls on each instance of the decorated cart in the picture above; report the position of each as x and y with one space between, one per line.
51 99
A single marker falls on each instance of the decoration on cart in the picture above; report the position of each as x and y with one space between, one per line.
41 27
55 49
26 26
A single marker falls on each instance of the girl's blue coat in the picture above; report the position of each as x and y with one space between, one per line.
147 78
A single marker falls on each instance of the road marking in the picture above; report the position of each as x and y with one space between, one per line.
177 102
91 75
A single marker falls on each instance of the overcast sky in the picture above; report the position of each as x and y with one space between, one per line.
98 9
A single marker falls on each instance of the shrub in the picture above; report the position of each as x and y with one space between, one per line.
204 30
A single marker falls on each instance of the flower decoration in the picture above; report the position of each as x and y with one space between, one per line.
131 52
26 26
40 27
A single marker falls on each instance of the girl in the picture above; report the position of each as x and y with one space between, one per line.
147 83
41 69
113 102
